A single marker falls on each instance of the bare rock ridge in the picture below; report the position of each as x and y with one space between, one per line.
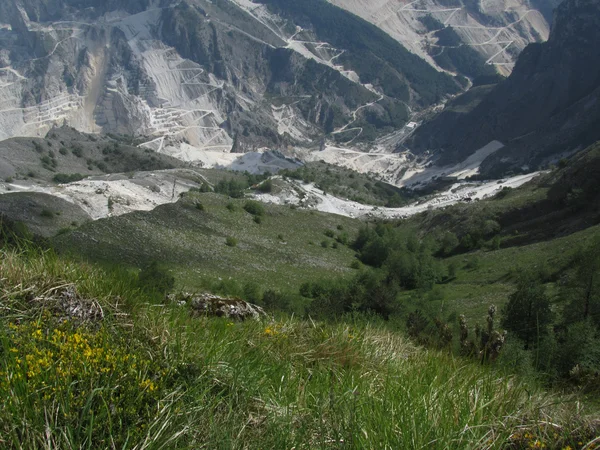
550 105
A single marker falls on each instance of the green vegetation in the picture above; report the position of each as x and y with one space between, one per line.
191 244
133 373
67 178
66 153
235 186
47 213
346 183
255 208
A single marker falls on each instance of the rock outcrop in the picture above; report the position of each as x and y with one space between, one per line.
548 106
213 305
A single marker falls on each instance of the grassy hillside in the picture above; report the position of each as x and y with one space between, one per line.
67 155
119 372
287 247
45 215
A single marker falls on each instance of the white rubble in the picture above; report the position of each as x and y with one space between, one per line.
314 198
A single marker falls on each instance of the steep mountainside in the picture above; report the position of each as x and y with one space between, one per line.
471 37
216 75
548 106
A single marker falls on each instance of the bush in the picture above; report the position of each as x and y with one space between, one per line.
199 206
355 264
257 219
156 278
232 188
231 207
63 178
47 213
77 150
255 208
231 241
329 233
265 186
324 244
473 263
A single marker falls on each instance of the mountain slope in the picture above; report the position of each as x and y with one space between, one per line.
549 105
216 75
488 34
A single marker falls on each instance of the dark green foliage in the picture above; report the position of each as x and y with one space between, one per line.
77 150
14 234
578 353
233 188
266 186
257 219
430 22
62 178
252 293
583 290
447 37
255 208
231 241
527 313
199 206
449 243
407 260
155 278
48 162
368 291
343 238
329 233
47 213
325 243
355 264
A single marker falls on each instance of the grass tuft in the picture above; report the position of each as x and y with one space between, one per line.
148 376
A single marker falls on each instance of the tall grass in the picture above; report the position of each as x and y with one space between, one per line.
151 376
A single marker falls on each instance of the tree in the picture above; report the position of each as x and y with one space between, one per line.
449 243
585 288
528 313
154 277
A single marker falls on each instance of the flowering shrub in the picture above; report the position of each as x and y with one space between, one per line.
76 377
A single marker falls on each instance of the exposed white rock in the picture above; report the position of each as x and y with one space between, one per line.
516 25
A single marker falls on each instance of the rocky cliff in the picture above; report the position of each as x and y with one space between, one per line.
549 105
233 74
215 75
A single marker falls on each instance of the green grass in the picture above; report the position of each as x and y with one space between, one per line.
152 376
475 289
192 242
